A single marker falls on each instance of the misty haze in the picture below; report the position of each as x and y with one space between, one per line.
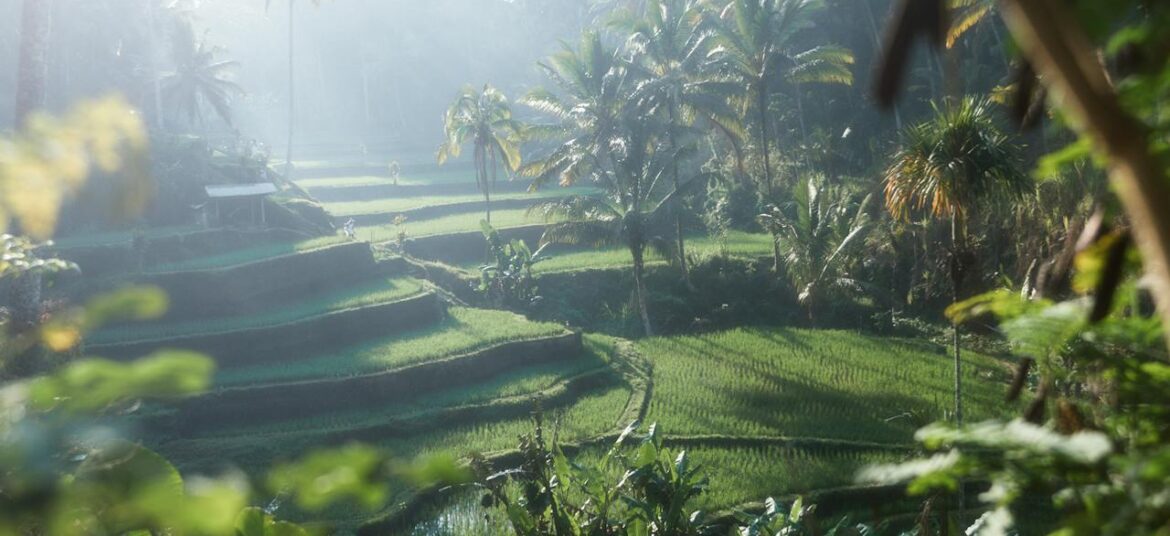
584 267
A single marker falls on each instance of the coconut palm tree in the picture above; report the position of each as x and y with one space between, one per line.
483 119
291 79
199 79
632 209
593 89
675 79
757 45
945 169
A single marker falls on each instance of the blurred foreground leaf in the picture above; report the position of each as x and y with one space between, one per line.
93 384
356 472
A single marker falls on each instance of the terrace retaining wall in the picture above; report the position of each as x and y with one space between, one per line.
436 211
244 405
470 246
293 340
252 287
121 258
341 194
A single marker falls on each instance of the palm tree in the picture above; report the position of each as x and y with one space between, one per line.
484 119
965 15
946 168
819 238
198 79
593 89
291 81
602 137
631 209
675 79
757 45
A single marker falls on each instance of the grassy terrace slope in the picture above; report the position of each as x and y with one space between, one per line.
403 204
811 383
455 223
379 291
737 244
464 331
247 255
498 409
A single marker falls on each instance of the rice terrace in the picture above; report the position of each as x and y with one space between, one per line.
583 267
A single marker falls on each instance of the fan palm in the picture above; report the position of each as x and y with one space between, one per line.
199 79
819 238
757 45
675 79
946 168
483 119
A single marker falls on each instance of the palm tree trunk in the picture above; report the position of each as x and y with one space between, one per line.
156 78
291 93
677 207
776 254
762 105
877 43
30 84
636 251
956 277
481 171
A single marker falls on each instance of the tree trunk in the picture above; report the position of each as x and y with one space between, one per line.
956 280
156 78
481 171
30 83
677 206
762 105
292 108
1057 47
637 251
776 254
877 43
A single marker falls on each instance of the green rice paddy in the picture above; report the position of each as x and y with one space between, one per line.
375 292
241 256
401 204
754 382
464 330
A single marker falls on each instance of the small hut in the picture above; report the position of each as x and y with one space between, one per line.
240 204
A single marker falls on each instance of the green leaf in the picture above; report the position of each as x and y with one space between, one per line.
647 454
93 384
324 477
255 522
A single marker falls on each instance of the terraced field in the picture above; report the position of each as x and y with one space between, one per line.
319 343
